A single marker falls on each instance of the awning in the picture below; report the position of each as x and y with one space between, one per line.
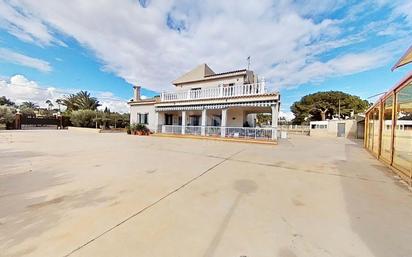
215 106
405 59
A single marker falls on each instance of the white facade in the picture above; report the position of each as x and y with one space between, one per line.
334 128
205 103
144 109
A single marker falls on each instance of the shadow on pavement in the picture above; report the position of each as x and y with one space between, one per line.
380 213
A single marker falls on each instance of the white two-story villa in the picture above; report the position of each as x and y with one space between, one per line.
206 103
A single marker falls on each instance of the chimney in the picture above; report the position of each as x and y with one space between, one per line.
136 90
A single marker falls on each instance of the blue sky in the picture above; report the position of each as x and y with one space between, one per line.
300 46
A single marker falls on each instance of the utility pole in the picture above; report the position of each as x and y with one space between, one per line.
339 109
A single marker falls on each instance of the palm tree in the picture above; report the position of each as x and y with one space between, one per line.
80 101
5 101
70 102
50 104
29 105
85 102
59 102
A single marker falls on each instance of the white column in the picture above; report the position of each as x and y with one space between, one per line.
156 122
275 114
203 128
223 123
183 122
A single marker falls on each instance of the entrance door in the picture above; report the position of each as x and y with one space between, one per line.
341 129
194 120
168 119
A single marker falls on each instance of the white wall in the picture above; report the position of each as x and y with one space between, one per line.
238 115
212 83
147 108
332 129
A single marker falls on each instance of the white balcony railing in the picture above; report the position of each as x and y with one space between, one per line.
215 92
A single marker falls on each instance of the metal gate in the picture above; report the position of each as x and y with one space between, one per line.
341 129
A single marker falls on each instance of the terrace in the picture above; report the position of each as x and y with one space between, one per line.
221 91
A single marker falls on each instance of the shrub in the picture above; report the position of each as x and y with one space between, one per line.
7 114
27 112
140 128
83 118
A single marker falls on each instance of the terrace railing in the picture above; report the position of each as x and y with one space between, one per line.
215 92
170 129
193 130
229 132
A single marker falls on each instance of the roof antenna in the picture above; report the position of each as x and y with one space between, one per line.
248 62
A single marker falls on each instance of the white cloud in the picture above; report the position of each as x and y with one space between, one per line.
109 100
346 64
136 44
287 115
21 59
404 9
20 89
285 38
114 106
25 26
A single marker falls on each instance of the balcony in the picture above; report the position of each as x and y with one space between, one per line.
215 92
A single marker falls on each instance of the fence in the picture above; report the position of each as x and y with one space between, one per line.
295 129
229 132
22 121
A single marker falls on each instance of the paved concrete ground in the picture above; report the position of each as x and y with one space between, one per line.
77 194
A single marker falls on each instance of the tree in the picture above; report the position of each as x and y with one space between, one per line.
83 118
85 102
59 103
80 101
322 105
29 105
49 104
27 111
6 101
7 114
263 119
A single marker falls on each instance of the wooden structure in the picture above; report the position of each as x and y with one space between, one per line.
388 128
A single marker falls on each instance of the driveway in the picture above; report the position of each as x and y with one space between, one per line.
65 193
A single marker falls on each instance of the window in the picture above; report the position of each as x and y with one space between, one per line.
194 120
319 126
216 120
369 133
373 130
402 155
376 130
168 119
386 143
143 118
195 92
